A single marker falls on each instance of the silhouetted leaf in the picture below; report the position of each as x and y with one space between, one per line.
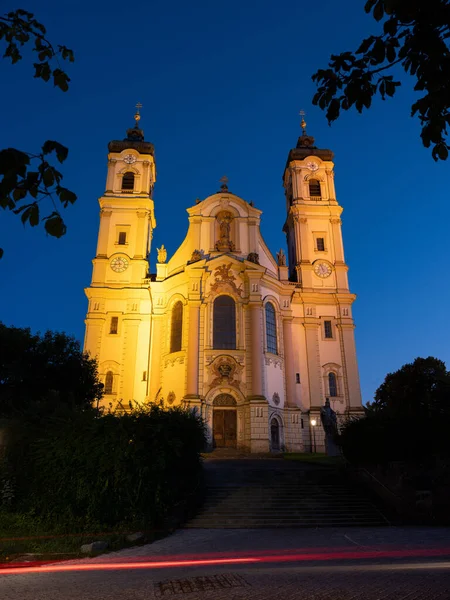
52 146
54 225
66 196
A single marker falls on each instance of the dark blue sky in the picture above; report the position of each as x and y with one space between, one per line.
222 84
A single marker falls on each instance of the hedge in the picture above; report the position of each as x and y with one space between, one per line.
109 469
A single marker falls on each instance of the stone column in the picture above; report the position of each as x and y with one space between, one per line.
193 351
351 375
289 361
312 355
111 175
257 350
130 338
337 240
141 242
154 366
103 234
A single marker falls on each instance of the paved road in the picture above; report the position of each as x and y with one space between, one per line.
328 564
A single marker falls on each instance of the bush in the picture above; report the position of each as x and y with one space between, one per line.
110 469
379 439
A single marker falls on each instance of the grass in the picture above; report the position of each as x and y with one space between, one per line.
318 458
22 534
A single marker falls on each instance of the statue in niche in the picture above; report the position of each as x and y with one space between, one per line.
224 219
162 254
281 258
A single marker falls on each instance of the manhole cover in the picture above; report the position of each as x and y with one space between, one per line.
174 587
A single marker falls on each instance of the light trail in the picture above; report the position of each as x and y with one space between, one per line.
259 558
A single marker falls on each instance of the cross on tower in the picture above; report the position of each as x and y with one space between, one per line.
224 181
137 115
303 122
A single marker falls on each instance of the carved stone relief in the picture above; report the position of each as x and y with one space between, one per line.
223 275
225 370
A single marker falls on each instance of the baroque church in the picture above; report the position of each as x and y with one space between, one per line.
255 344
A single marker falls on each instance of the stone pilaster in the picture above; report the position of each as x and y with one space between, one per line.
193 351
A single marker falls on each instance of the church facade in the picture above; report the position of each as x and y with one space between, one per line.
255 344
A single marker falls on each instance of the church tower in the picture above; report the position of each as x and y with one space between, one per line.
118 319
322 303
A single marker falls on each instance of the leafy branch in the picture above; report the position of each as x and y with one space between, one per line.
24 175
415 35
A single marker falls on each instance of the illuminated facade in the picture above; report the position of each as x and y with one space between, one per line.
255 344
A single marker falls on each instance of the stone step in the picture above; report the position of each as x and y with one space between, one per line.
255 524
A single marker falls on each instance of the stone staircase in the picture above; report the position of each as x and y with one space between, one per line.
273 493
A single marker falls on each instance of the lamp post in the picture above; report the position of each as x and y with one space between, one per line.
313 425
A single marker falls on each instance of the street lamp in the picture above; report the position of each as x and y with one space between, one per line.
313 425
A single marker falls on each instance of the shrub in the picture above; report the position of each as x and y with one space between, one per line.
379 438
113 468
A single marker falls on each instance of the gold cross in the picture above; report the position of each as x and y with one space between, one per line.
224 180
303 122
137 116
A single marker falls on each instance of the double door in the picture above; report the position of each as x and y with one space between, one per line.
224 428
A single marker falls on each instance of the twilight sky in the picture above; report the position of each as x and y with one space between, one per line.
221 85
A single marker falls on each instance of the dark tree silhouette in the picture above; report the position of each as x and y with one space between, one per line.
413 34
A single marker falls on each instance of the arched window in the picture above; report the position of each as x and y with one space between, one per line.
109 379
177 327
314 188
224 323
332 384
128 182
271 329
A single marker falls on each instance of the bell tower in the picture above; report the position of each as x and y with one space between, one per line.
119 304
313 224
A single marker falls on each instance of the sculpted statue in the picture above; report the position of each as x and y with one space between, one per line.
329 424
196 255
281 258
162 254
224 219
253 257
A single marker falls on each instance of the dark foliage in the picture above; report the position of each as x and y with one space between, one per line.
110 469
28 179
44 374
413 34
408 420
419 390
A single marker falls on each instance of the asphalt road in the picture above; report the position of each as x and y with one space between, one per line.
305 564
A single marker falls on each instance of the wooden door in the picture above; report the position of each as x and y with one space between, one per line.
224 428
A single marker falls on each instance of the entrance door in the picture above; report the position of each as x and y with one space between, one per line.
224 428
275 434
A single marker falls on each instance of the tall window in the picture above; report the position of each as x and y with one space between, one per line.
109 382
332 384
128 182
271 329
114 326
320 244
224 323
177 327
328 329
122 238
314 188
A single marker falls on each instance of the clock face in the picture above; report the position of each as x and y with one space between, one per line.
322 269
119 264
312 166
129 159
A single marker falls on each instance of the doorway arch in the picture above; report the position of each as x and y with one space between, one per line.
275 437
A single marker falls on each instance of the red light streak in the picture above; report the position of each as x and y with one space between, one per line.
254 558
